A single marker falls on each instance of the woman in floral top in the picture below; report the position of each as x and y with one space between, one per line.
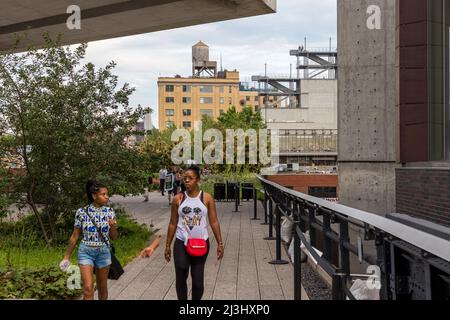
93 252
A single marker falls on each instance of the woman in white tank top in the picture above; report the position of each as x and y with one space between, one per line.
192 211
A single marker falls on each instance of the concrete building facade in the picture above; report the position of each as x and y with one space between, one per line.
367 106
318 108
106 19
393 107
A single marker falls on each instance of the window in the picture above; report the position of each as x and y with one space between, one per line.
222 112
247 98
230 89
222 89
206 100
186 124
438 80
206 112
256 99
170 88
222 100
230 101
322 192
170 112
186 100
187 112
170 124
170 100
206 89
186 88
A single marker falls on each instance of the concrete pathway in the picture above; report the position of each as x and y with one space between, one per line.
243 274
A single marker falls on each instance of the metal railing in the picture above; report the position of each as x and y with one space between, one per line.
413 264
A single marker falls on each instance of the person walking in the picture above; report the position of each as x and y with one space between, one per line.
162 180
93 251
182 186
190 214
174 190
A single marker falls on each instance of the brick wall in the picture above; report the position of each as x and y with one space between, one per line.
301 183
424 193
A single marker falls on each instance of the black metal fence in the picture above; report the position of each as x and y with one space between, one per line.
413 265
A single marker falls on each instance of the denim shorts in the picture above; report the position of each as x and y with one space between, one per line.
98 257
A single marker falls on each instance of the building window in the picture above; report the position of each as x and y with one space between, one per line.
187 112
206 112
206 89
170 100
186 124
230 101
186 88
323 192
169 124
247 98
230 89
222 112
256 99
170 88
222 100
438 80
222 89
206 100
186 100
170 112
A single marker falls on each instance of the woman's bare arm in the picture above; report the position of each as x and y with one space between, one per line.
172 228
214 222
72 243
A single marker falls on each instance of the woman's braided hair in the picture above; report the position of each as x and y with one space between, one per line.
93 186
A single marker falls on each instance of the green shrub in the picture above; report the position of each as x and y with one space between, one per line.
43 284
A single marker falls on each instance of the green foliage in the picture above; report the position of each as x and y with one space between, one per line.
29 267
44 283
156 149
68 122
22 247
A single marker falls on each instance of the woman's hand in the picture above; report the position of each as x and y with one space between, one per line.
147 252
112 223
167 253
220 251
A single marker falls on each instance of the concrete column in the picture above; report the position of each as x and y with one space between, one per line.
366 104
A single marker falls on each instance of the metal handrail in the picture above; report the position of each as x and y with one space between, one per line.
388 235
437 246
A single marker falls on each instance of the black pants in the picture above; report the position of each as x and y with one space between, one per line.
162 183
182 263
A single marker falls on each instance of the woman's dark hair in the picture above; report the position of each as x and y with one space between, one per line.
195 169
93 186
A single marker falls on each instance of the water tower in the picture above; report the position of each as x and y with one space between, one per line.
201 66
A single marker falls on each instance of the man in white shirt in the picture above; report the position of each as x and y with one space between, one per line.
162 180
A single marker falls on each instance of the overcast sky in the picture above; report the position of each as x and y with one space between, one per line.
245 44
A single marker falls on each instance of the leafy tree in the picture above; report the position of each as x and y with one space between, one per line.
67 122
156 149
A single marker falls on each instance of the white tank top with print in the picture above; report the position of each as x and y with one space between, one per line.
192 218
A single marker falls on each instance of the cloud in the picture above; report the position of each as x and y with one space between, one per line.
244 44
